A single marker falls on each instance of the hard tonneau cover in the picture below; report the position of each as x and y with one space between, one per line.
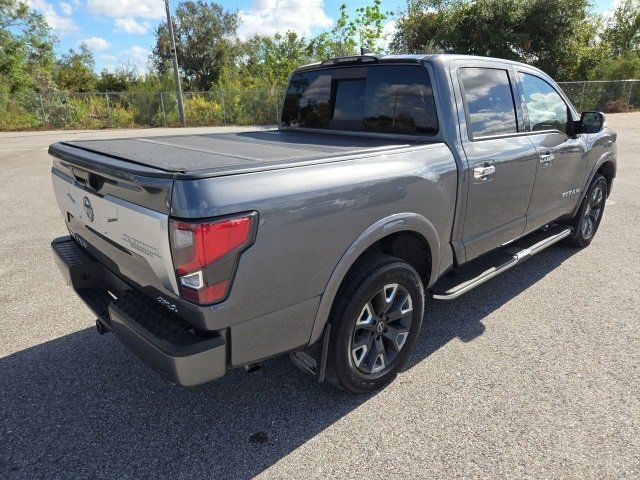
224 153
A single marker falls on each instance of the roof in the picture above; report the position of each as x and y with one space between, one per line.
400 58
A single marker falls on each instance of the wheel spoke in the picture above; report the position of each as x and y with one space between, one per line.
366 318
402 308
378 356
362 349
396 337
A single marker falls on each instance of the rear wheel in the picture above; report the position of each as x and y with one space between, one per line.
587 220
374 323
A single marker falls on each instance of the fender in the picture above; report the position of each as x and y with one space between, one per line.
399 222
606 157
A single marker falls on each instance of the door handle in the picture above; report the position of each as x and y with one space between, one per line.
547 159
481 173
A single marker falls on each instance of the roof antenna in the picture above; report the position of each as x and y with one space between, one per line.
365 51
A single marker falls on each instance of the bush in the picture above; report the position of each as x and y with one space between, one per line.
617 106
202 112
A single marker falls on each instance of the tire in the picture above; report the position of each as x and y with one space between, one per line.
375 323
589 215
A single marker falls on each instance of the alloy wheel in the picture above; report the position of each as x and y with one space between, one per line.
381 329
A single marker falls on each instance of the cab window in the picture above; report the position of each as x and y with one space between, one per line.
545 107
489 102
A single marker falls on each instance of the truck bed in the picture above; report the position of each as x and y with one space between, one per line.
225 153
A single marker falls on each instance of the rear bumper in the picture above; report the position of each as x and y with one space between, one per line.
152 332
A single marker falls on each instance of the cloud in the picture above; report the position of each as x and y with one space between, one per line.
60 24
136 8
112 59
388 32
66 8
135 14
137 56
96 43
266 17
131 25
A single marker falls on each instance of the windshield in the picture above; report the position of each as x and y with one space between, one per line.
376 98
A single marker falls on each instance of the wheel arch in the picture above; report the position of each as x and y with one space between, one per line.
387 229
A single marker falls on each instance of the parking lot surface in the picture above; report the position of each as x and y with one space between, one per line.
534 374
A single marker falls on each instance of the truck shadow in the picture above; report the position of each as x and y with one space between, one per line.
81 405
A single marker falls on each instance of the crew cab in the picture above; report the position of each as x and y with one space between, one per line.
390 179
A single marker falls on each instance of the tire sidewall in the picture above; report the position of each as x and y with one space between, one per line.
349 375
599 179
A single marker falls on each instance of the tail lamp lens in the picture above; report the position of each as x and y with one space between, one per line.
205 255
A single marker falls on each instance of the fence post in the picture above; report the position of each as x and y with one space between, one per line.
584 85
106 97
224 114
44 113
629 97
164 117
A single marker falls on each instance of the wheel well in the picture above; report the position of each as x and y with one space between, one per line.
411 247
607 171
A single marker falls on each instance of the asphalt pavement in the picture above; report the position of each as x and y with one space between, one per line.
534 374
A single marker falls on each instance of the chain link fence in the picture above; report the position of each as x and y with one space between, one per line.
609 96
61 110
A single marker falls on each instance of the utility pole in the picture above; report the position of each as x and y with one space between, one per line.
174 59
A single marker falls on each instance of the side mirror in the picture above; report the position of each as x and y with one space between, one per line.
591 122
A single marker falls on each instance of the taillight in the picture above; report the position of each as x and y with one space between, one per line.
205 255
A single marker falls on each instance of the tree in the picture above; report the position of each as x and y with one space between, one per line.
27 47
266 61
206 42
348 35
75 71
124 78
554 35
622 31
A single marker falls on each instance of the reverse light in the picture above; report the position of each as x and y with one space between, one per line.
205 254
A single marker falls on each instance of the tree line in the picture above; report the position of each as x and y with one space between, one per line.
563 37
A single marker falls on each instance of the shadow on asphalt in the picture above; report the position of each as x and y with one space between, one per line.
82 406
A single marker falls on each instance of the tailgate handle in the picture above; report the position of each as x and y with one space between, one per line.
81 176
91 180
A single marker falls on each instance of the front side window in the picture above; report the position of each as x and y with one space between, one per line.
545 106
489 101
383 98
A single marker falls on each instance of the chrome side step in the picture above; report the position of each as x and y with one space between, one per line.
510 257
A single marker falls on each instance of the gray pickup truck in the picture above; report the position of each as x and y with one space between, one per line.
389 178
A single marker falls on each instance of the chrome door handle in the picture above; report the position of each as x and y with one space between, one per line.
547 158
480 173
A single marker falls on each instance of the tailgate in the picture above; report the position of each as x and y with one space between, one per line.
120 218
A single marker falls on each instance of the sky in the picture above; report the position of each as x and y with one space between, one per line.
119 31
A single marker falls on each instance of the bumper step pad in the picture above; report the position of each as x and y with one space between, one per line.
163 340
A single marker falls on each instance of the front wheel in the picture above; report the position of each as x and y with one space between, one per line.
587 220
374 323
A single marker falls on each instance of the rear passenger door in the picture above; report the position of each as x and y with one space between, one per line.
561 166
501 161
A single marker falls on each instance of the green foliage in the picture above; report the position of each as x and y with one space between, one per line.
206 42
244 77
348 35
75 71
555 35
27 48
124 78
622 31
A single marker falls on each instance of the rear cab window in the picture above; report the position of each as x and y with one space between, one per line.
488 100
375 98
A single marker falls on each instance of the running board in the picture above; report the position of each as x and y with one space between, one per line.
497 263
